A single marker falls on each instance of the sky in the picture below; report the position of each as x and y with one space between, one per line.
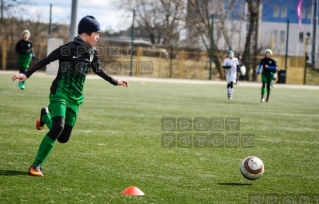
105 11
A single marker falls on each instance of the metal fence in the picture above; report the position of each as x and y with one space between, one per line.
169 62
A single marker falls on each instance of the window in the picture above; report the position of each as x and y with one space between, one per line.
308 34
282 36
284 11
301 37
276 11
309 13
303 12
274 35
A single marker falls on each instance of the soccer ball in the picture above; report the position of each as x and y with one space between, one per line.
252 168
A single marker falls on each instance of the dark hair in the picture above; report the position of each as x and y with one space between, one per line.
88 33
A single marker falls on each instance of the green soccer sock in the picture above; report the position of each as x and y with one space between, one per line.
44 150
262 92
46 118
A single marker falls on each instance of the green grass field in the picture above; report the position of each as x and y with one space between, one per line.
116 143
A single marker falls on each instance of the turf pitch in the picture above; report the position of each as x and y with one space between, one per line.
116 143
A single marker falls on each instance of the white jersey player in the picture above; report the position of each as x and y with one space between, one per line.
231 65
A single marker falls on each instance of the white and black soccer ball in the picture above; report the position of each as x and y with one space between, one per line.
252 168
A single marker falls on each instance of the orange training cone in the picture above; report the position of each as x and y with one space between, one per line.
132 190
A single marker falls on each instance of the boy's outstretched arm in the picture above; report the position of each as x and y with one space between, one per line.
122 83
21 77
100 72
55 55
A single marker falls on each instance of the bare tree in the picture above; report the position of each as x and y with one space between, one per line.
253 16
162 19
199 19
6 5
230 13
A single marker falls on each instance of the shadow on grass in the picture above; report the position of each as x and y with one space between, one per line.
235 184
12 173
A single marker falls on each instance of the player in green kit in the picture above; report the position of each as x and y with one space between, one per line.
268 67
25 53
76 58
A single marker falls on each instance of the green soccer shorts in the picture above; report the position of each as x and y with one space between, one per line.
267 77
24 60
60 106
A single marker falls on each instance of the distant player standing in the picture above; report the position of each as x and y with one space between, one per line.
25 53
231 65
268 67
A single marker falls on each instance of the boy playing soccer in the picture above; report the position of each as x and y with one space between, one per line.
25 53
75 60
231 65
268 67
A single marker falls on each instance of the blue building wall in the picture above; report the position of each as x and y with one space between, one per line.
270 15
268 10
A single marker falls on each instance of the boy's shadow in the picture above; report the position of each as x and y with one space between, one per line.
12 173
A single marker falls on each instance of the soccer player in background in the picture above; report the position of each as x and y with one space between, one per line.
76 58
267 67
231 65
25 53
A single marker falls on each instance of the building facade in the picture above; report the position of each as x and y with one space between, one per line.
272 25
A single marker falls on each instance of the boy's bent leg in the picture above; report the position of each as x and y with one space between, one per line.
47 143
70 119
44 150
57 109
45 118
66 134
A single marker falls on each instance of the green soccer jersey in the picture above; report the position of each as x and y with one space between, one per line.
75 60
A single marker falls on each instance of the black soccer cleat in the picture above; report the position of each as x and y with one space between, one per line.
40 124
